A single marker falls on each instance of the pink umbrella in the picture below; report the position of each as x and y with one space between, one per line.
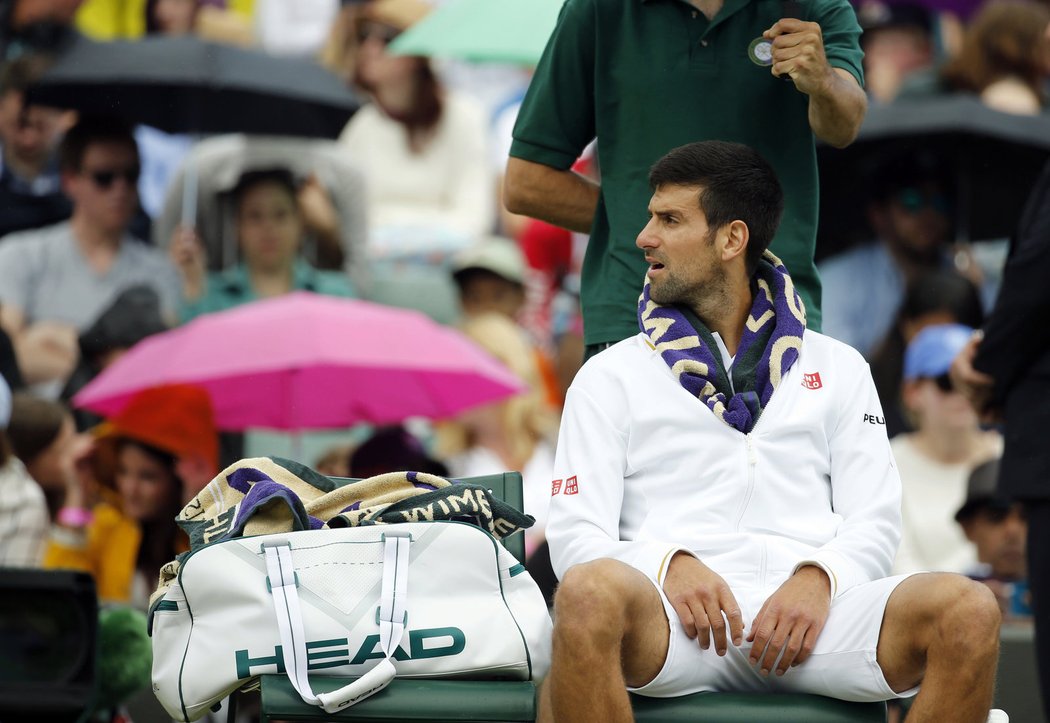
305 361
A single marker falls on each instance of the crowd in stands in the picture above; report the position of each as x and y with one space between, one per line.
91 263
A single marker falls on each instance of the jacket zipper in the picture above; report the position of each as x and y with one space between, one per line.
751 462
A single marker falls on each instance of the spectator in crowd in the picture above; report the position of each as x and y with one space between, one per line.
909 211
1000 58
393 449
269 229
30 183
55 281
490 277
164 450
24 521
44 437
1005 57
422 148
936 459
997 526
937 296
512 434
897 41
646 77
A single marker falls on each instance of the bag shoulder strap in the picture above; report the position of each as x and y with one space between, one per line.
393 619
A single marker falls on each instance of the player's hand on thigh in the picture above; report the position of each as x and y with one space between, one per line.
790 621
700 597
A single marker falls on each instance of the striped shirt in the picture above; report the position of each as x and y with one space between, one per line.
24 521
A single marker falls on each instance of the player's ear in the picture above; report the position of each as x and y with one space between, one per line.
736 236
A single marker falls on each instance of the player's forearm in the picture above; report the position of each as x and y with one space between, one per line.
563 198
837 110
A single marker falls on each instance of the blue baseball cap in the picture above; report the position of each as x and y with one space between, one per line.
931 352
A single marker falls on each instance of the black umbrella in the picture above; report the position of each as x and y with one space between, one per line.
187 85
994 159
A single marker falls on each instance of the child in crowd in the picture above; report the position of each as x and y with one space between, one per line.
151 459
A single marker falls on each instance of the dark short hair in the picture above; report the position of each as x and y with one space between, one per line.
943 289
89 130
277 176
736 183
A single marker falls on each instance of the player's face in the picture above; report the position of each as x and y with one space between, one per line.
679 247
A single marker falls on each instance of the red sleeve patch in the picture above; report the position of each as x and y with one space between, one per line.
555 487
571 486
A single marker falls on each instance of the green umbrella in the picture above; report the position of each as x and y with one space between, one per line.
508 31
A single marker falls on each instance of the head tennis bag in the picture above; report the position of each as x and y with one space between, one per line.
423 600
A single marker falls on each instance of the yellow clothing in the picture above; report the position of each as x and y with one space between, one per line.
106 548
113 19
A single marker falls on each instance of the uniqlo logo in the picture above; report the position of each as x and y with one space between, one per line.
571 487
555 487
812 381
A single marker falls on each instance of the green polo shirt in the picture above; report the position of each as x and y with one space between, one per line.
646 76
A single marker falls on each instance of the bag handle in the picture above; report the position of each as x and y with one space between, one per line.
393 619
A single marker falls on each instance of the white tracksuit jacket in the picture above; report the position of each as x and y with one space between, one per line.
644 469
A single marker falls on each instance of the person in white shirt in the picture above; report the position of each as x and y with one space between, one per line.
936 459
24 521
725 507
56 281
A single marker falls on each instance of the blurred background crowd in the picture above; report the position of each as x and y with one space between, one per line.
162 161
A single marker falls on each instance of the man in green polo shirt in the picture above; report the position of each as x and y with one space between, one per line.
646 76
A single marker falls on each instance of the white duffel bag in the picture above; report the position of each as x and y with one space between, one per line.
418 600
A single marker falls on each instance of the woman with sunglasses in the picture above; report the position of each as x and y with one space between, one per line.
936 459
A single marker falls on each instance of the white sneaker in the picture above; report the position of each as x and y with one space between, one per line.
997 716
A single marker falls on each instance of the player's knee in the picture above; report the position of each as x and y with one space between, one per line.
970 621
591 594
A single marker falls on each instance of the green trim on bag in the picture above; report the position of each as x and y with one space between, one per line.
517 570
166 606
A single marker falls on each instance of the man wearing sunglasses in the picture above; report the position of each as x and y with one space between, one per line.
56 280
909 212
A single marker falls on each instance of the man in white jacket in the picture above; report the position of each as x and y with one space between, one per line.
725 507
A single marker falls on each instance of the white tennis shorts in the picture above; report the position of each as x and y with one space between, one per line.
843 664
